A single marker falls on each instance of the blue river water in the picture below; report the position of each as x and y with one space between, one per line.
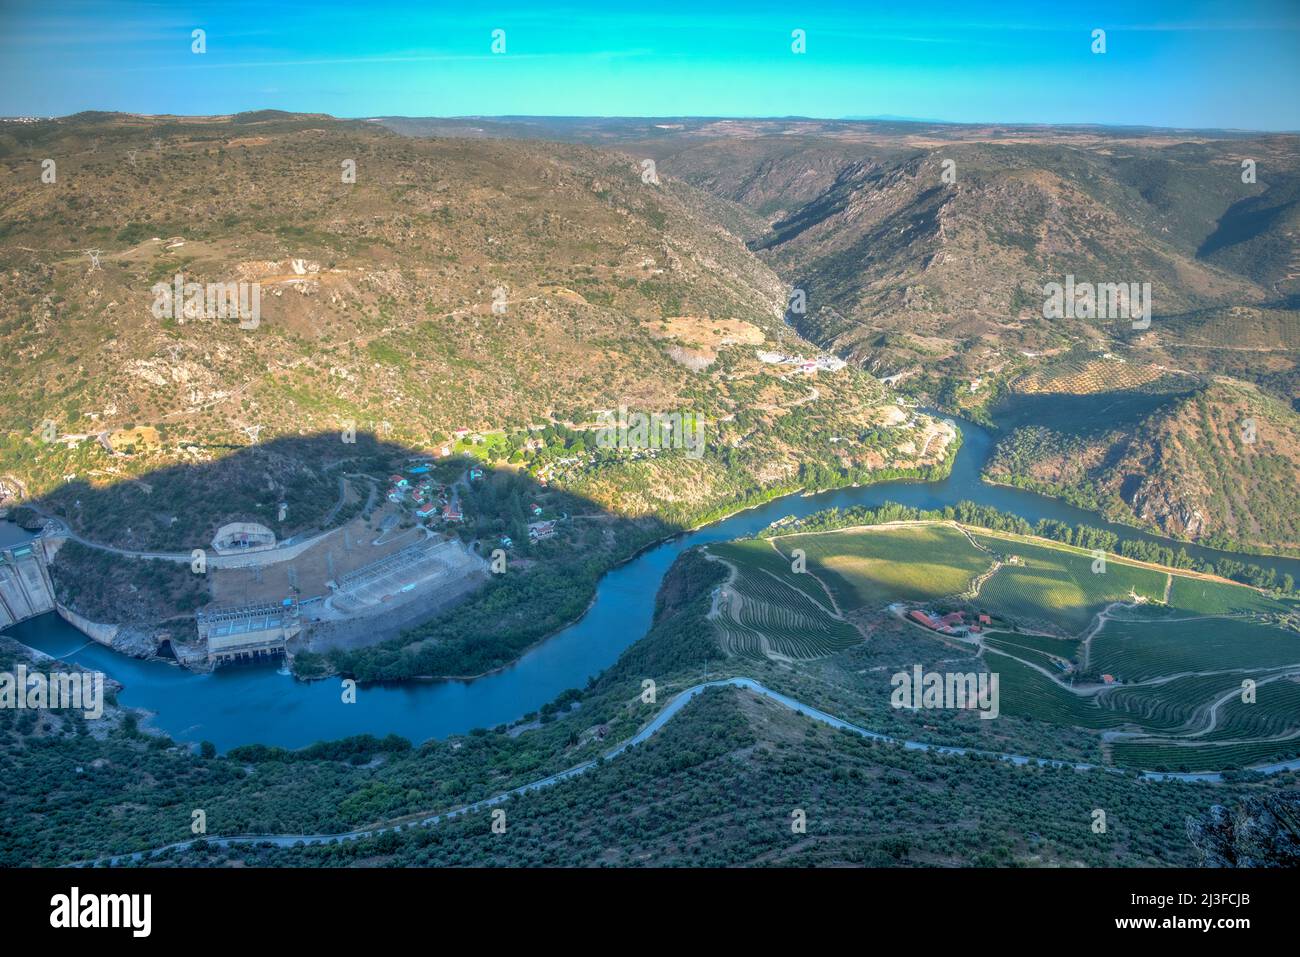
263 704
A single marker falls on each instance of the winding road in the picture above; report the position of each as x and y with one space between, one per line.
675 705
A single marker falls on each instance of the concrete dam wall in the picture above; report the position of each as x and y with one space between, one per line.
25 587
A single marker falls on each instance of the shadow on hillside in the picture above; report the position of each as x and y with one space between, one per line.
1086 414
555 544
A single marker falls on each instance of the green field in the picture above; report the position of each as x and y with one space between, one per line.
1219 598
870 568
1055 587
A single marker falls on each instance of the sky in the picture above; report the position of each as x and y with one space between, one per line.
1182 64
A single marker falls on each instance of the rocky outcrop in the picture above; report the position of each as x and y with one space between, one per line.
1260 832
1156 503
141 640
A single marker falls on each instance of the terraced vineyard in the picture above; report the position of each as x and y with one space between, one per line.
764 613
1178 703
759 554
1174 669
1168 708
1134 651
1272 714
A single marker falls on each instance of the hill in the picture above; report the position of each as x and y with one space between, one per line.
1217 461
418 289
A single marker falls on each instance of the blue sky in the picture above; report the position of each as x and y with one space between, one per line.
1185 63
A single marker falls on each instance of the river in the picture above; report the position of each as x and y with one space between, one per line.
261 704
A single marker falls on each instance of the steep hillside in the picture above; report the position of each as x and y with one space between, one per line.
1217 462
937 283
891 248
486 285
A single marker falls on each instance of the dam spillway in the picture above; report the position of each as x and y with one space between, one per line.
25 587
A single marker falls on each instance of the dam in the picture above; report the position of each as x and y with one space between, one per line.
25 587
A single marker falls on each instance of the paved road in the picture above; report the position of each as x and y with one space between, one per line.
663 717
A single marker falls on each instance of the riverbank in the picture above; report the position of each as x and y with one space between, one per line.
1050 491
276 710
361 669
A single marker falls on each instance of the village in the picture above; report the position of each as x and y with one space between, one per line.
436 504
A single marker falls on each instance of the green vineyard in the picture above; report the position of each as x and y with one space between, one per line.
768 614
1138 651
870 568
1055 588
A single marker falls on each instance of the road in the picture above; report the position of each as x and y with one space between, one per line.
662 718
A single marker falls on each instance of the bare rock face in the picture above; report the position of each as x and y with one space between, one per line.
1158 503
1260 832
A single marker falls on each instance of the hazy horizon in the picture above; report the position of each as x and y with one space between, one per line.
699 117
1199 65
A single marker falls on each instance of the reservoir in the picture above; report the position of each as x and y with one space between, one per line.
252 705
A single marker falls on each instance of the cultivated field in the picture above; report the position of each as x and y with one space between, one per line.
767 611
872 567
1136 651
1056 588
1174 648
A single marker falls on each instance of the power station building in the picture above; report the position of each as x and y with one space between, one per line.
248 633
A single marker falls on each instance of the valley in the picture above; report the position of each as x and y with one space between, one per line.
936 285
851 443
